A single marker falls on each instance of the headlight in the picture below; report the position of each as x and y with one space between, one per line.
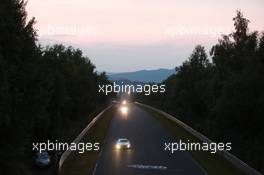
124 109
117 146
128 146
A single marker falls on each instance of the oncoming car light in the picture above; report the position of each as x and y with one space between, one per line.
124 102
122 143
124 110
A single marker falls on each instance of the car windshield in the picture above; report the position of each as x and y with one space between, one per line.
123 140
44 155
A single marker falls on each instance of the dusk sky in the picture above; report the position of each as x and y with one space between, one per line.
129 35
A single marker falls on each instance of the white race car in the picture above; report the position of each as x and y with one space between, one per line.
122 143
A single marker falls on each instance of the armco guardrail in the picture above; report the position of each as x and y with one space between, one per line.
79 137
231 158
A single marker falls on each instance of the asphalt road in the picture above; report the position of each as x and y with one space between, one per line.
147 155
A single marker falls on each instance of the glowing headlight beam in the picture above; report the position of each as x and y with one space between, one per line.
124 110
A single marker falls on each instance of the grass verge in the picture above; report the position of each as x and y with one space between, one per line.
213 164
83 164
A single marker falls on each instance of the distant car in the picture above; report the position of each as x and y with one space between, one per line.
42 159
122 143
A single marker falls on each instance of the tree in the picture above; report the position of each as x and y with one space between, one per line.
223 99
18 71
41 89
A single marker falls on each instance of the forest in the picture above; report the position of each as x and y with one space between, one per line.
45 91
52 91
221 94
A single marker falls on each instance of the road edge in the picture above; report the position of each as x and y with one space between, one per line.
65 155
228 156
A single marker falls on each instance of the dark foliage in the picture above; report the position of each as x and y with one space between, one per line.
223 99
42 91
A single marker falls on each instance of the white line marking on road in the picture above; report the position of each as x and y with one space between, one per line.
95 168
148 167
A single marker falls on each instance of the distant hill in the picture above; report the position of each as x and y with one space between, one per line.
129 82
143 76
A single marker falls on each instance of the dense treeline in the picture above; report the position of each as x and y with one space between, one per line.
223 98
43 91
